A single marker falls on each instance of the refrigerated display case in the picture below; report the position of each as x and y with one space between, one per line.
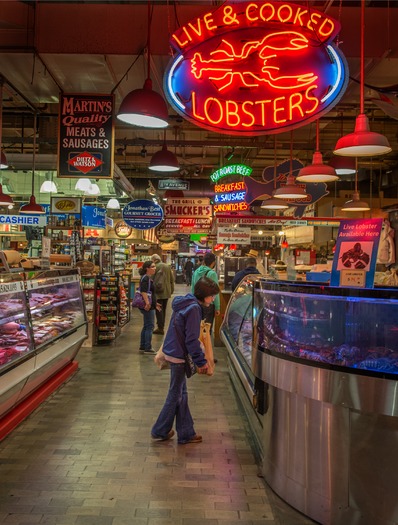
42 327
316 369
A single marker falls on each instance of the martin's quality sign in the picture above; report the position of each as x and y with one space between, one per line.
253 68
85 145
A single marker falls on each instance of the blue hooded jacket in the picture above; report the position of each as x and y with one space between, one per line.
186 318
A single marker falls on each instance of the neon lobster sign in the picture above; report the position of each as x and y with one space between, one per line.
253 68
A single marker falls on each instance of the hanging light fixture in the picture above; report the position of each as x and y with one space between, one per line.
83 184
164 160
317 171
113 204
291 190
5 200
343 165
3 160
145 107
32 206
48 185
355 204
93 189
363 142
272 203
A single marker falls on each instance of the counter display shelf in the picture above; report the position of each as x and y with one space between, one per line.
42 326
316 369
106 315
15 337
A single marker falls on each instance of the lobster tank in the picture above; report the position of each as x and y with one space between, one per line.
316 368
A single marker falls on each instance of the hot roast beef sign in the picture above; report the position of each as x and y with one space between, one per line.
250 68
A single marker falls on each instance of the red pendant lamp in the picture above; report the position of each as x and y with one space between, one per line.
272 203
355 204
145 107
317 171
32 206
3 160
363 142
290 190
164 160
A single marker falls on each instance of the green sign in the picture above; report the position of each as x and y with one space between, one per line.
233 169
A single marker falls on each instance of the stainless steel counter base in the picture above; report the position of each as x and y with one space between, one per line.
330 442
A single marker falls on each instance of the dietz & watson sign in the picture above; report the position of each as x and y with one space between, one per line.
251 68
85 145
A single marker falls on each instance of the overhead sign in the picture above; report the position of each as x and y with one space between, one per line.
123 230
231 235
230 197
94 217
232 169
85 144
354 261
173 184
66 205
142 214
252 68
187 215
24 220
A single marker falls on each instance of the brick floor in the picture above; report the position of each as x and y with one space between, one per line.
85 456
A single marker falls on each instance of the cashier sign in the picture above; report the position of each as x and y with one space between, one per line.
23 220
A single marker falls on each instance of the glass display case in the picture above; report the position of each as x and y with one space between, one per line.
56 306
315 368
43 324
15 336
335 327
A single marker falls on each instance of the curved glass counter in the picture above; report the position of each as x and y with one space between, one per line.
336 327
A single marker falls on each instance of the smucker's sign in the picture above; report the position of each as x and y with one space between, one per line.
85 145
251 68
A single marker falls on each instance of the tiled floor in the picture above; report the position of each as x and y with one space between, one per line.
85 456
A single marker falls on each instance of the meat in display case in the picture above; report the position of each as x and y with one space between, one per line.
56 307
15 338
42 327
316 369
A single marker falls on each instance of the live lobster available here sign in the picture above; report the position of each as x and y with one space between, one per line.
85 145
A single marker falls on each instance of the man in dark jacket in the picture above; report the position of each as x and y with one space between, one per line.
251 267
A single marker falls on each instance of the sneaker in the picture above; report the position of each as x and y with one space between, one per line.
195 439
169 436
151 351
158 331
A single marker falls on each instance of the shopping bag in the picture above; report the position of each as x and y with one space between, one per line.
207 346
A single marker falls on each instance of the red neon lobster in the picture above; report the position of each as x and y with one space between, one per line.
224 63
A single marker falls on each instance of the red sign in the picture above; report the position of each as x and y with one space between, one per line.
85 162
254 68
187 215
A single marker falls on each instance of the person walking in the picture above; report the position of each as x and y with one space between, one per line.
183 337
148 292
188 270
250 268
164 288
207 270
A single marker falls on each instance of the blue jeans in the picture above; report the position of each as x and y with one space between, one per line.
176 406
147 329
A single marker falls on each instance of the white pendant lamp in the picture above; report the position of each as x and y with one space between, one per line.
145 107
272 203
355 204
83 184
32 206
113 204
363 142
48 185
317 171
93 189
